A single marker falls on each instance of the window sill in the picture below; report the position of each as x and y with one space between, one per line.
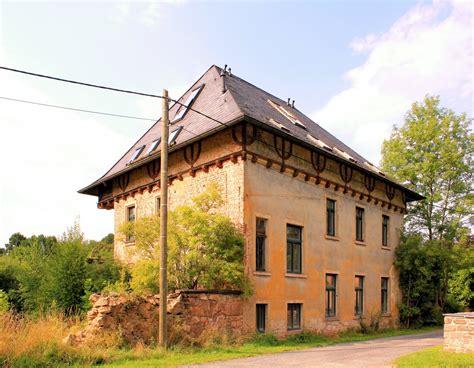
332 319
129 242
262 273
362 243
386 314
296 275
386 248
330 237
294 331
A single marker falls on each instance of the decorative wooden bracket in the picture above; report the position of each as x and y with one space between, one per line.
346 174
123 181
282 151
153 169
369 182
192 152
319 164
390 191
241 136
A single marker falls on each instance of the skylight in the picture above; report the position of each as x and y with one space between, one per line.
154 145
174 134
287 114
373 168
281 126
189 101
319 142
344 154
137 153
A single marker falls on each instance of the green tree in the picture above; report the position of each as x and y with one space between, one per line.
15 240
205 248
432 153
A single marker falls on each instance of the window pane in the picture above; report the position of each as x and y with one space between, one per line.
330 217
293 232
261 317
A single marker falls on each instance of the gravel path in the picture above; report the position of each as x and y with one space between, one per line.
373 353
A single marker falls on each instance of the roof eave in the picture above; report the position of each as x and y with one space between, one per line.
410 194
92 189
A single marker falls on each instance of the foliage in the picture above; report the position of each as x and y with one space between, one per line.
461 289
372 324
205 249
4 304
42 272
426 269
435 357
432 153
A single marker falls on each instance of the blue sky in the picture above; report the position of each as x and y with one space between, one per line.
354 67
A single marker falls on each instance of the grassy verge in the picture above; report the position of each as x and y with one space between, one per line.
435 357
263 344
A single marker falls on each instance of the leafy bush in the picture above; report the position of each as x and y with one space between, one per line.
205 249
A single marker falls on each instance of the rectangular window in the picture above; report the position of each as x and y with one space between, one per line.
385 223
136 153
359 295
331 217
261 317
331 295
293 250
294 316
130 218
260 240
384 294
157 205
359 224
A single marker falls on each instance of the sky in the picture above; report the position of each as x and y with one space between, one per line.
354 67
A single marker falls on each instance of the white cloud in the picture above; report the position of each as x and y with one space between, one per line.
148 13
428 50
47 155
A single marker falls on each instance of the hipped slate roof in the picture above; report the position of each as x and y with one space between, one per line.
242 100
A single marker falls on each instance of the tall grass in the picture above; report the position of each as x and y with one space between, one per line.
39 342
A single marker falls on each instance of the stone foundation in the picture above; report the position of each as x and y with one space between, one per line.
459 332
192 314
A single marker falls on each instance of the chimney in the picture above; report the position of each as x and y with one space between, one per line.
293 104
223 73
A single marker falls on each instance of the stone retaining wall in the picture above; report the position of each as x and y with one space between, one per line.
191 314
459 332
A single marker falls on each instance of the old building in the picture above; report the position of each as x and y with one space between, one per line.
321 223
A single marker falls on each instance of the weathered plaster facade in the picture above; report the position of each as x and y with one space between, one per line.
252 189
274 163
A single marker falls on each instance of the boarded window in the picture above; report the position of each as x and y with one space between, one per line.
359 295
331 295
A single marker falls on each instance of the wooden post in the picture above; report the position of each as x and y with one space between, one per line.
163 328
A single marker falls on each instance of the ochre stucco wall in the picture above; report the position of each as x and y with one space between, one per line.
251 190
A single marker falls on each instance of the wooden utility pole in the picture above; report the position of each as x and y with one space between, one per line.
163 328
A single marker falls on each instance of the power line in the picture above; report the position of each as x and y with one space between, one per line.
75 109
95 112
132 117
107 88
80 83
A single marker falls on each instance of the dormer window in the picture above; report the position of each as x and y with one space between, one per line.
174 134
373 168
154 145
319 142
287 114
278 125
344 154
189 101
136 153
